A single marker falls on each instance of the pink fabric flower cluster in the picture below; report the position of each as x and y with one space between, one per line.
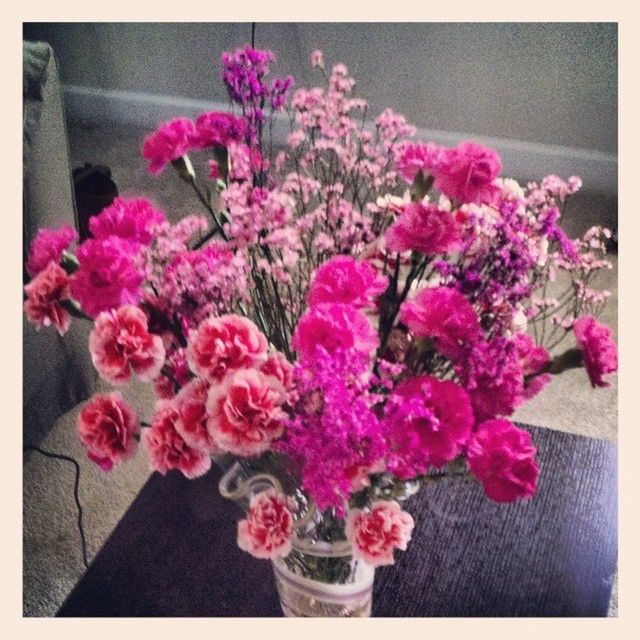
108 428
376 533
219 129
346 281
46 294
424 228
267 530
48 246
427 422
121 343
599 351
502 457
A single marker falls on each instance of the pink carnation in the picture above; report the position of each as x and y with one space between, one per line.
444 314
377 533
107 277
167 448
599 351
428 422
48 246
170 141
121 343
131 220
424 228
333 327
268 528
245 413
218 129
280 368
224 344
502 457
191 405
417 157
347 281
45 294
108 427
467 172
532 359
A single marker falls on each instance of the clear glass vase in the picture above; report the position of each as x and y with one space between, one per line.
320 577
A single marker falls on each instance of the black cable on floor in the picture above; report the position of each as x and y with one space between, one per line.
59 456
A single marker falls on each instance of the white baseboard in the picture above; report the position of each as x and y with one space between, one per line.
521 160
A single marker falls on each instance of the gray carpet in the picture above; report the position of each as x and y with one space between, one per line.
52 558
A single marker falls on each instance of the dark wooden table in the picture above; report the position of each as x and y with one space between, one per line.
174 551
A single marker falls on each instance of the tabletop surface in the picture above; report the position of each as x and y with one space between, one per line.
174 552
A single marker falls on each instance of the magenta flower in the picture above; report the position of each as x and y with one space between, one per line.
428 422
599 351
375 534
417 157
108 427
424 228
48 246
121 343
129 219
467 172
218 129
532 359
347 281
107 277
445 315
267 530
170 141
502 457
334 327
45 295
167 448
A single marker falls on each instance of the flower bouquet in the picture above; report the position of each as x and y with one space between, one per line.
357 314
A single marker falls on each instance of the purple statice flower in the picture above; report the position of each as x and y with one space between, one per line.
334 435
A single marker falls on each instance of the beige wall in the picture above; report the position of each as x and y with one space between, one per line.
548 83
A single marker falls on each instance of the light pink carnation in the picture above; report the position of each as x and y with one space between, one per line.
45 294
245 413
167 448
333 327
428 422
48 246
129 219
377 533
280 368
444 314
170 141
108 427
121 343
347 281
467 173
599 351
107 277
268 528
502 457
224 344
424 228
191 405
